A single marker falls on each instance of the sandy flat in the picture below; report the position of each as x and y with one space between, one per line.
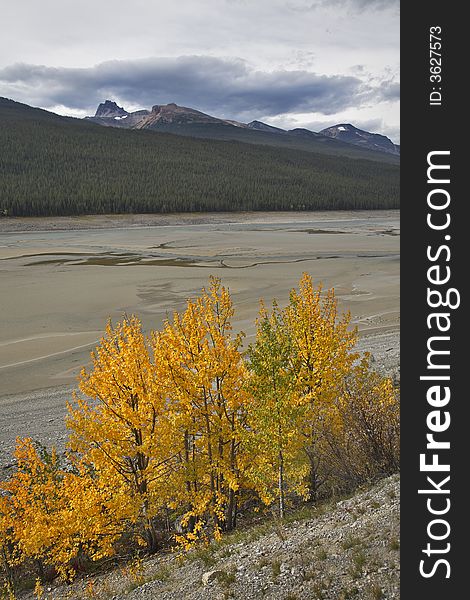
62 279
59 287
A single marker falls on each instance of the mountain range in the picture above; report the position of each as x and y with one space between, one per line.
182 120
55 165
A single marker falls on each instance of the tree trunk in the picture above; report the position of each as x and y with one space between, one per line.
313 478
312 484
230 511
150 533
281 485
40 569
151 537
7 568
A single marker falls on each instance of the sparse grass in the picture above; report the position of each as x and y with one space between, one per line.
359 560
394 544
309 511
376 592
280 531
244 535
163 573
224 552
321 554
133 585
374 504
350 541
276 568
354 573
205 554
226 578
391 494
318 591
291 596
301 514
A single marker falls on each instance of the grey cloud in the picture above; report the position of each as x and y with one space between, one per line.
377 4
352 5
389 90
226 87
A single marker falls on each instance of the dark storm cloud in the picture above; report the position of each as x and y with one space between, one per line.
227 87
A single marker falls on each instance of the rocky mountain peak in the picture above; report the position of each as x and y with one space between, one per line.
108 108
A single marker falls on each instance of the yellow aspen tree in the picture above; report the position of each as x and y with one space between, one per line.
6 544
34 504
51 515
274 415
121 429
321 356
200 359
89 522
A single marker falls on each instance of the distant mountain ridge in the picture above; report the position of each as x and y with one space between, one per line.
346 132
183 120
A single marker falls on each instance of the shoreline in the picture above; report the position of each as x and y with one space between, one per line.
142 221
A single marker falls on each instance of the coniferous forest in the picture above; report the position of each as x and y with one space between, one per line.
51 165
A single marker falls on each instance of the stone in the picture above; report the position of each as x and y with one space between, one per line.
209 576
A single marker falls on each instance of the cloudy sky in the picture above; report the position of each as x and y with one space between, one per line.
291 63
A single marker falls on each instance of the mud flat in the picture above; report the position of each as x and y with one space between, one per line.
63 278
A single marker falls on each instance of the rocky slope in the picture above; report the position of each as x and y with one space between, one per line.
169 114
344 550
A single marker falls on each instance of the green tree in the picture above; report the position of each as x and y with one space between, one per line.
275 414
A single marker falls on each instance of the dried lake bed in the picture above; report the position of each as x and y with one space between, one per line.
62 278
